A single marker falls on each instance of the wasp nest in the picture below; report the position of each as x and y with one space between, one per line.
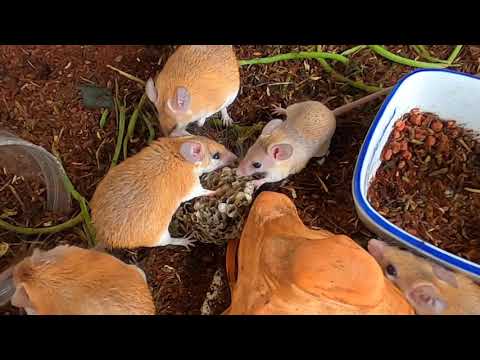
219 218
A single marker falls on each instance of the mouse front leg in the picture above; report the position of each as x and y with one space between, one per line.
179 133
322 153
201 121
167 239
198 191
206 192
258 183
270 178
227 120
278 110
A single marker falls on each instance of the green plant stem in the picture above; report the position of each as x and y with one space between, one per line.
121 131
45 230
353 50
454 54
380 50
424 54
84 211
151 130
340 77
296 56
104 118
127 75
246 132
131 125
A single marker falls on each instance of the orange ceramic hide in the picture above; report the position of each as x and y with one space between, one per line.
285 268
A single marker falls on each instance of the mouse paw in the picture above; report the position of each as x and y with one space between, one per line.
206 192
187 241
201 121
213 193
278 110
179 133
226 119
258 183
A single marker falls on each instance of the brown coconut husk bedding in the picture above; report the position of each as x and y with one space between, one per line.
41 103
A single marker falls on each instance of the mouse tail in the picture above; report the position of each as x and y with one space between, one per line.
7 286
347 107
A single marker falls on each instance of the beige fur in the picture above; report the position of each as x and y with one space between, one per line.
134 204
73 281
412 270
211 75
309 128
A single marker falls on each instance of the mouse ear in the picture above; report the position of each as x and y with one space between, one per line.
181 101
281 151
271 125
7 286
426 299
192 151
376 248
445 274
151 90
21 299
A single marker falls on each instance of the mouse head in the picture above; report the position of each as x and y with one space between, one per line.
267 153
206 155
29 293
419 279
172 108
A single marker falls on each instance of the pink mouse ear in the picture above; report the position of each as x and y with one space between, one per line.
281 151
151 90
7 286
192 151
445 275
181 101
426 299
21 298
376 248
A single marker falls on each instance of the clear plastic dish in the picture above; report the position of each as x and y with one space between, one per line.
23 158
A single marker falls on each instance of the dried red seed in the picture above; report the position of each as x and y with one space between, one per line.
387 155
430 141
436 125
407 155
416 119
419 135
400 125
455 133
396 147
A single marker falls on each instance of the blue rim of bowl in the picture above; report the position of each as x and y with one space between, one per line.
384 224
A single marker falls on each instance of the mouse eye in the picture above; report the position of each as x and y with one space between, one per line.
216 156
256 165
391 270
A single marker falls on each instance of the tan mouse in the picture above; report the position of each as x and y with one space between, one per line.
134 203
196 82
285 147
429 287
69 280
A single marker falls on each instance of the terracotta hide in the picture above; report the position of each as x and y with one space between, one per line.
280 267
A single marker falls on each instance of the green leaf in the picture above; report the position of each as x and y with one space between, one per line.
95 97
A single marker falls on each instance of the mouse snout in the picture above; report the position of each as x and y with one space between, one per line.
376 248
229 158
241 169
